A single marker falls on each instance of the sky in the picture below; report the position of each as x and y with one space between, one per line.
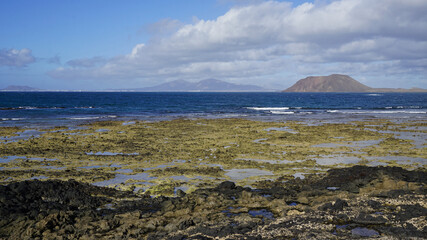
112 44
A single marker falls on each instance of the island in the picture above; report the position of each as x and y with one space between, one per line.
339 83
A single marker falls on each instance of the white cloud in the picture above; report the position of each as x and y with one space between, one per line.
269 38
16 58
86 62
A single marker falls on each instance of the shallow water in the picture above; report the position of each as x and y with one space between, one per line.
351 144
111 153
400 159
262 212
122 178
10 158
239 174
284 129
7 159
419 139
364 232
25 135
336 159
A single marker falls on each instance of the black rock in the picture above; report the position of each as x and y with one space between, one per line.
226 185
339 205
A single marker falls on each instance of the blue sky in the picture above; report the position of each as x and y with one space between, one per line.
103 44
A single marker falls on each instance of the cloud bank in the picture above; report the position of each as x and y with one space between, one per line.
16 58
268 41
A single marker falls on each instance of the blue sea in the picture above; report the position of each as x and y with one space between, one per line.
30 109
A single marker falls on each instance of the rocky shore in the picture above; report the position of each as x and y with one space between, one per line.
355 202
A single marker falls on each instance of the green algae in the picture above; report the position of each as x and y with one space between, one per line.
205 147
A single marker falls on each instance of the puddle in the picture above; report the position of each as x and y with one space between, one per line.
269 161
25 135
299 175
159 166
108 206
102 166
112 154
7 159
39 177
128 123
53 168
179 161
102 130
263 212
333 188
293 204
43 159
419 138
399 160
239 174
283 129
417 128
122 178
351 144
336 159
259 140
180 178
79 134
211 165
376 164
124 170
10 158
230 214
364 232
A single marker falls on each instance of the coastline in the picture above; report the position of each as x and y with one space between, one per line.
238 176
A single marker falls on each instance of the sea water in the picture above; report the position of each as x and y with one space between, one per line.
70 108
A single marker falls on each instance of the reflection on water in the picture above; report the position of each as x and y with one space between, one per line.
122 178
239 174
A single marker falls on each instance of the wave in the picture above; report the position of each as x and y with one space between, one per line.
12 119
91 117
268 108
377 112
35 108
280 112
83 118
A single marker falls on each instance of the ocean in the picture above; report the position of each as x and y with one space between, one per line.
32 109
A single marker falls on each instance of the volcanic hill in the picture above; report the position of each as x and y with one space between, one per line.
340 83
331 83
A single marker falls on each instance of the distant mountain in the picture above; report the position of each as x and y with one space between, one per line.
331 83
339 83
17 88
208 85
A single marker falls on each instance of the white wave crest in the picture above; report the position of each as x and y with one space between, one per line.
268 108
281 112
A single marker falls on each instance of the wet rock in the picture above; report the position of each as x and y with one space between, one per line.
56 209
227 185
374 204
185 224
364 232
367 219
180 193
294 212
339 205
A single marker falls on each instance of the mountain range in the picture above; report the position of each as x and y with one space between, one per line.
16 88
339 83
207 85
331 83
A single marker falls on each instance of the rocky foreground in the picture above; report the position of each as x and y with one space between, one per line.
356 202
